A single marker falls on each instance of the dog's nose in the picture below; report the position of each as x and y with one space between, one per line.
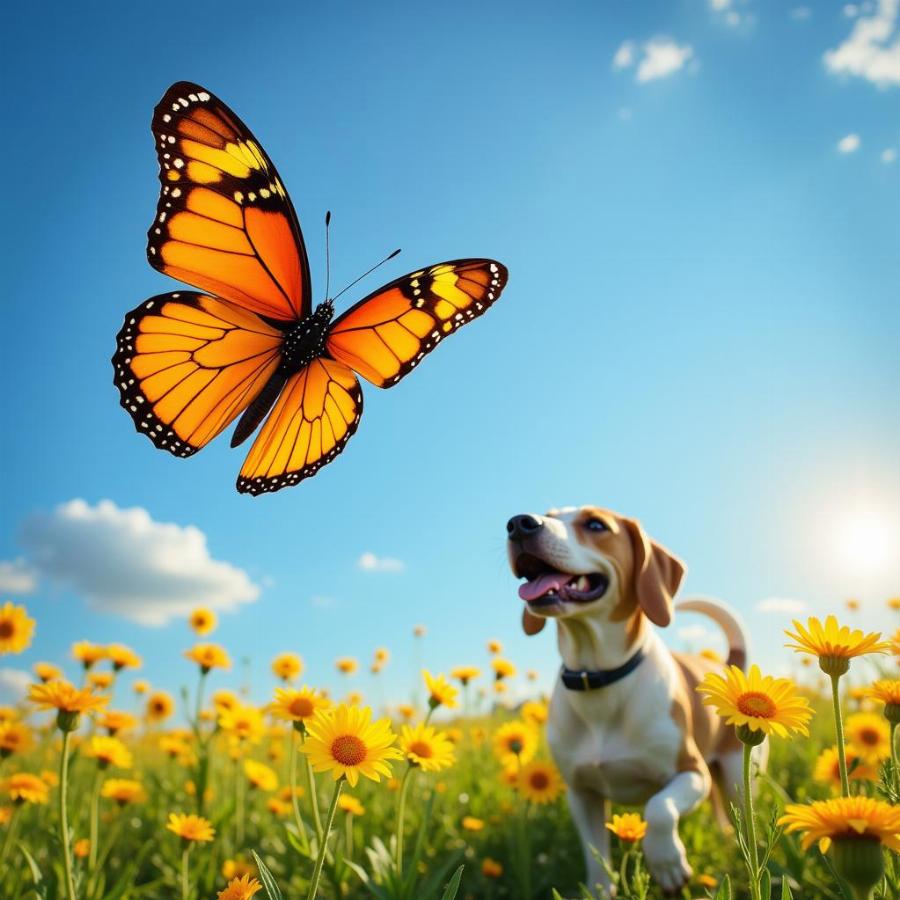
519 527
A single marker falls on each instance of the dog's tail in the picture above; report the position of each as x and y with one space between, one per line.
727 620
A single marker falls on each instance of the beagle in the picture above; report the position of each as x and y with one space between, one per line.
626 724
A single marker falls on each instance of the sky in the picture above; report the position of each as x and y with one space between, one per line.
699 206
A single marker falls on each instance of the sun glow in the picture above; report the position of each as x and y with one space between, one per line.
869 541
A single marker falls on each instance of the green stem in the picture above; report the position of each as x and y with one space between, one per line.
239 804
313 797
64 816
348 836
185 873
894 773
298 818
320 859
10 828
839 731
751 825
401 812
95 816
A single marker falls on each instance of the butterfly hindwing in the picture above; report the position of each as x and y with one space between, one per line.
224 222
187 364
315 415
386 335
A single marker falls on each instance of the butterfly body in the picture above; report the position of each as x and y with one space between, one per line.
248 346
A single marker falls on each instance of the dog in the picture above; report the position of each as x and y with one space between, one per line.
626 724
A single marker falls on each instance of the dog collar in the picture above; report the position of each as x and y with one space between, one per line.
585 680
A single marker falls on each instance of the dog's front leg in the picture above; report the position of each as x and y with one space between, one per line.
663 848
589 813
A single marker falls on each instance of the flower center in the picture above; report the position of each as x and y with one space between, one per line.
869 736
7 629
516 745
421 749
757 705
540 781
302 707
348 750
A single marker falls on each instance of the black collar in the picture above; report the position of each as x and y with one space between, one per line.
583 680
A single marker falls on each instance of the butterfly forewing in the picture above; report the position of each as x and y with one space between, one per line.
224 222
386 335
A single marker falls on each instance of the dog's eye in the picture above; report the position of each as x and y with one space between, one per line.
596 525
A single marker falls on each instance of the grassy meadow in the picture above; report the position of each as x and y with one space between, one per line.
466 803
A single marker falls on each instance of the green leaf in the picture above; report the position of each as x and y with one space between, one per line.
724 891
786 889
40 886
765 884
453 885
268 881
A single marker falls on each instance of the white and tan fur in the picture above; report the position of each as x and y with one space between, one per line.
646 739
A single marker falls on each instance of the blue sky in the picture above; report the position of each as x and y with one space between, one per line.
698 205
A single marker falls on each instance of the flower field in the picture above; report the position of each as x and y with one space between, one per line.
207 796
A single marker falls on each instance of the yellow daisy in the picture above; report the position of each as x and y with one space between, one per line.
16 629
240 888
539 782
114 721
101 680
82 848
494 647
382 655
159 707
298 705
14 738
470 823
123 791
886 691
870 734
47 671
490 868
465 674
515 743
191 827
844 817
629 827
109 751
237 868
767 704
208 656
88 654
278 807
832 644
503 668
427 748
23 787
287 666
202 620
407 711
350 805
346 665
260 775
535 712
440 691
123 657
244 723
67 699
347 743
827 767
140 687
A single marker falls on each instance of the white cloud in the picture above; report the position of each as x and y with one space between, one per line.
122 561
780 605
801 13
697 633
624 56
17 577
849 143
872 49
662 57
889 155
13 685
369 562
851 10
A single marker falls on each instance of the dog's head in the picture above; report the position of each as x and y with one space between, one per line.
590 561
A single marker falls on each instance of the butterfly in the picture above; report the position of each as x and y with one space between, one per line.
248 343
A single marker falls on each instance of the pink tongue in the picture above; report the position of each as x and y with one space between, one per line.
541 585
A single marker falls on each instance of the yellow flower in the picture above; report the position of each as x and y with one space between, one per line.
208 656
465 674
347 665
707 881
123 791
47 671
629 827
852 604
101 680
298 705
419 631
88 654
260 775
23 787
16 629
886 691
65 697
237 868
51 779
832 641
109 751
870 734
81 848
159 706
440 691
539 782
140 687
347 743
470 823
287 666
115 721
224 699
827 768
14 738
353 698
8 714
190 827
240 889
767 704
490 868
202 620
407 711
712 655
382 655
243 722
844 817
350 805
503 668
535 712
427 748
278 807
494 647
123 657
515 743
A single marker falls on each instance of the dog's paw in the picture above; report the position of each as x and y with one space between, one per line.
667 862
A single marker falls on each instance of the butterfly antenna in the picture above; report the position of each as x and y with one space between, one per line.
327 253
364 274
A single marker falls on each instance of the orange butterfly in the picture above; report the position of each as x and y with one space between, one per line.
187 364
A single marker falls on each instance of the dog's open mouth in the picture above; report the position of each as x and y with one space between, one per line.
546 585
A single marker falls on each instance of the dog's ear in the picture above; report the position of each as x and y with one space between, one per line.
656 576
532 624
